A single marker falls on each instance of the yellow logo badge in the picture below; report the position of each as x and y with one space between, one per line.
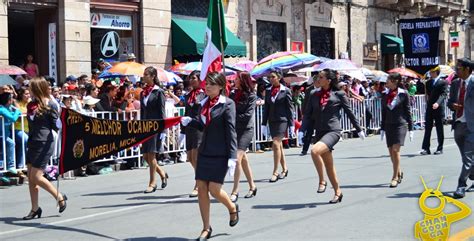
436 224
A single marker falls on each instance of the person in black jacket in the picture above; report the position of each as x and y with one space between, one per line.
218 150
278 112
245 100
396 121
193 136
152 106
436 93
42 117
324 109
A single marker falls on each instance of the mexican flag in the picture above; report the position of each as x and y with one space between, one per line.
216 40
454 39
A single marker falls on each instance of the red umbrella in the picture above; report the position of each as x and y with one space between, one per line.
11 70
405 72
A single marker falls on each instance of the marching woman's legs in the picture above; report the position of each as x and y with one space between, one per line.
284 172
277 147
34 189
151 161
218 193
192 156
395 157
204 206
248 174
234 196
319 165
332 175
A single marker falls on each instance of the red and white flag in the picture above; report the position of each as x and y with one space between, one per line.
216 39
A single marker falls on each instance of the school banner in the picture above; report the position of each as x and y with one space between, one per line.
86 139
420 38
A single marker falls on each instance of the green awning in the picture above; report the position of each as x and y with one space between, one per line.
391 44
188 38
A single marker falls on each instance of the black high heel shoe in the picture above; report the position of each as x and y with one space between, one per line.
234 197
400 177
164 181
283 174
153 189
274 177
234 222
337 199
33 214
208 236
322 187
251 193
63 207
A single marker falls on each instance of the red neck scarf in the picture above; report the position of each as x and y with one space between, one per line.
275 90
323 97
192 95
147 90
391 95
206 109
238 95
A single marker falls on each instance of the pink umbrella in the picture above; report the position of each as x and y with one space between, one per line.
167 77
11 70
246 65
405 72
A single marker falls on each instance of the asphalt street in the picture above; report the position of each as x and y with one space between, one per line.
114 207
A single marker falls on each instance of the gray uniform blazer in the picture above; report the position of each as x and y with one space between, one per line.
401 112
245 111
468 101
155 106
219 137
328 118
281 110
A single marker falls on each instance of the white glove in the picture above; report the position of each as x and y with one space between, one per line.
185 120
300 137
232 163
292 131
361 135
411 134
382 134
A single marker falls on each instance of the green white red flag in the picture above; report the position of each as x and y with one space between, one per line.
216 40
454 39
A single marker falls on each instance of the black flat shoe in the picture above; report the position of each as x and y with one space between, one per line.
425 152
234 197
234 222
283 174
322 187
33 214
148 190
274 177
438 152
164 181
63 207
251 193
208 236
336 199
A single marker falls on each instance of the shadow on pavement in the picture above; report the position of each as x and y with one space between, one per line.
112 193
405 195
27 223
152 197
286 207
366 186
155 239
382 156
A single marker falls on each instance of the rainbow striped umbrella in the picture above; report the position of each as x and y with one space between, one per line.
283 61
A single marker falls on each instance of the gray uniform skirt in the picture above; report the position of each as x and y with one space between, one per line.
330 138
278 129
39 153
244 137
211 168
193 138
152 145
395 134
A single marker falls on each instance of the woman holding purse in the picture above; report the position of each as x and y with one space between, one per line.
218 149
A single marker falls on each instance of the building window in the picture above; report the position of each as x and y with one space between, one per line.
195 8
271 37
322 42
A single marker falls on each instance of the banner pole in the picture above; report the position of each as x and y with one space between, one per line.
219 3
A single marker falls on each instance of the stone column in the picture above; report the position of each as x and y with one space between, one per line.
156 32
74 38
3 33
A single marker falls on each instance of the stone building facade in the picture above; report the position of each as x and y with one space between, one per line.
330 28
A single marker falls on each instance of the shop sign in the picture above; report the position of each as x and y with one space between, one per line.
370 51
109 45
297 46
111 21
52 50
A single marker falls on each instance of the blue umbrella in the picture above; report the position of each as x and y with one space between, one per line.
6 80
107 74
